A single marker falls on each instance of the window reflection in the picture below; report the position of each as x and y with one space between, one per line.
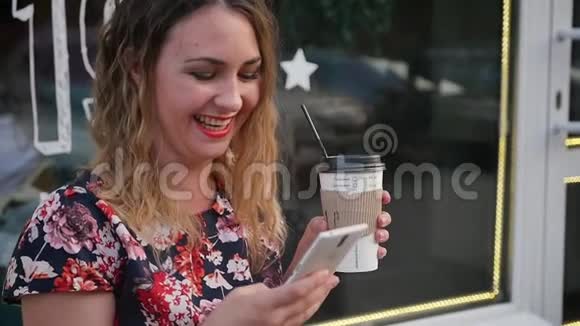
574 139
430 70
572 255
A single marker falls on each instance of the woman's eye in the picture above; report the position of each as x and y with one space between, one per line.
250 75
203 75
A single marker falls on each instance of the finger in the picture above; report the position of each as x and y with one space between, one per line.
386 197
301 311
296 312
315 226
300 319
292 292
382 252
382 235
384 220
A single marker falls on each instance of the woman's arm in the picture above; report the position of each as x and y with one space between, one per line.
65 264
69 309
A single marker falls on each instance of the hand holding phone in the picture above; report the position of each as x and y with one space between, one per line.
328 250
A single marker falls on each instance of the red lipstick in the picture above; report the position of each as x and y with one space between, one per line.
215 134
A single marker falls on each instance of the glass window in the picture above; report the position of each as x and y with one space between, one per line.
427 75
572 255
415 81
574 140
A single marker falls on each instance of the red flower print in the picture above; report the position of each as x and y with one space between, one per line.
206 307
240 268
229 230
165 237
215 280
48 207
182 261
133 247
215 257
167 301
153 299
78 275
190 265
108 211
69 192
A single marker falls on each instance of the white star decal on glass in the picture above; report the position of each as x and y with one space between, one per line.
298 71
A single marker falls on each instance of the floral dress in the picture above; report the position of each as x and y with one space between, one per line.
75 242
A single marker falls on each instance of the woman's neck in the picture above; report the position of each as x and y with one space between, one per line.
193 185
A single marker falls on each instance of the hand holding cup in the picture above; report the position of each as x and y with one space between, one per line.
318 224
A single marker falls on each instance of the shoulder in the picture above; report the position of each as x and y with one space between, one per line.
72 220
72 211
69 244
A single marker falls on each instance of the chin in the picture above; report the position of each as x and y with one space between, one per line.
208 153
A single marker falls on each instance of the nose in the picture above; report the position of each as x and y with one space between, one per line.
229 97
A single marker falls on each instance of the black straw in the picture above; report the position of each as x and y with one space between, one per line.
314 130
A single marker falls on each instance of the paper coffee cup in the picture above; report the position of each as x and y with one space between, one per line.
351 193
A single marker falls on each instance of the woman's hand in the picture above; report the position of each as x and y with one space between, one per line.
318 224
384 220
287 305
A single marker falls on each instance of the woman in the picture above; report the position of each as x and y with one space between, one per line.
184 109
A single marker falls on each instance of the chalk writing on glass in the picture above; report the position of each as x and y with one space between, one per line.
108 10
83 31
87 107
62 76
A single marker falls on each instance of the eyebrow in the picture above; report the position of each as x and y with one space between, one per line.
221 63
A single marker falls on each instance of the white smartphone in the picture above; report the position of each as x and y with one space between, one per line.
328 250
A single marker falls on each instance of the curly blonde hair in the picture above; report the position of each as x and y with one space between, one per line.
123 119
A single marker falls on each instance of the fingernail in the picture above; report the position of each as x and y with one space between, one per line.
320 225
333 282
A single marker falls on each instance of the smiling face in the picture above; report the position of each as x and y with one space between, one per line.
207 82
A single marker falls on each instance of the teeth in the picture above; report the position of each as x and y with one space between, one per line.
212 124
213 128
